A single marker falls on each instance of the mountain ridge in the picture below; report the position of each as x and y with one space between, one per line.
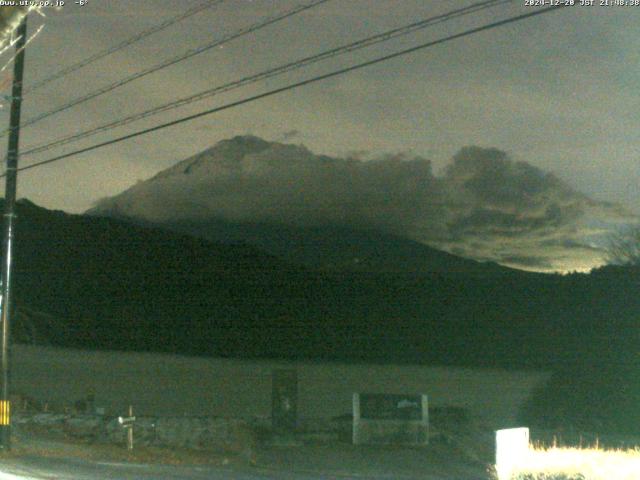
485 206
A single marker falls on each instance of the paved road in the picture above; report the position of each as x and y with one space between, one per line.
31 468
43 468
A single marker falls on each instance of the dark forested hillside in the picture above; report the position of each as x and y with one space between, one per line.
110 284
99 283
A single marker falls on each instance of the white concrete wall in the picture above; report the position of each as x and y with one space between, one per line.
175 385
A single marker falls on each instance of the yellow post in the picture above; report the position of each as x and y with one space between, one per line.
5 412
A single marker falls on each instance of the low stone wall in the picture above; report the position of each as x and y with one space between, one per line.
199 433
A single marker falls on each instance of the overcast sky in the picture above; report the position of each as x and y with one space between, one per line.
559 91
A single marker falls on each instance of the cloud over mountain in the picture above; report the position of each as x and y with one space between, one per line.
485 206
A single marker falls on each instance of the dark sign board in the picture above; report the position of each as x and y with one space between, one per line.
379 406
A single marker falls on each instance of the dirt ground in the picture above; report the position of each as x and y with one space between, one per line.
373 462
306 458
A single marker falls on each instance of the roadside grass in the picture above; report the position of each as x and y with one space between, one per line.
572 463
69 448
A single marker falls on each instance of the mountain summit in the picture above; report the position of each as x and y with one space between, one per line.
486 206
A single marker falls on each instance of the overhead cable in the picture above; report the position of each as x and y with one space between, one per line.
122 45
292 86
282 69
172 61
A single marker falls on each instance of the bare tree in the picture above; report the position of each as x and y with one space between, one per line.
624 247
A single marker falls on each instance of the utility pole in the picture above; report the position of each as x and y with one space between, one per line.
9 217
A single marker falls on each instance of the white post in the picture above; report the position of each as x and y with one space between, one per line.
356 418
512 447
127 422
130 430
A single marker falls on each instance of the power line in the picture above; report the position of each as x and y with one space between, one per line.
124 44
172 61
288 67
292 86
